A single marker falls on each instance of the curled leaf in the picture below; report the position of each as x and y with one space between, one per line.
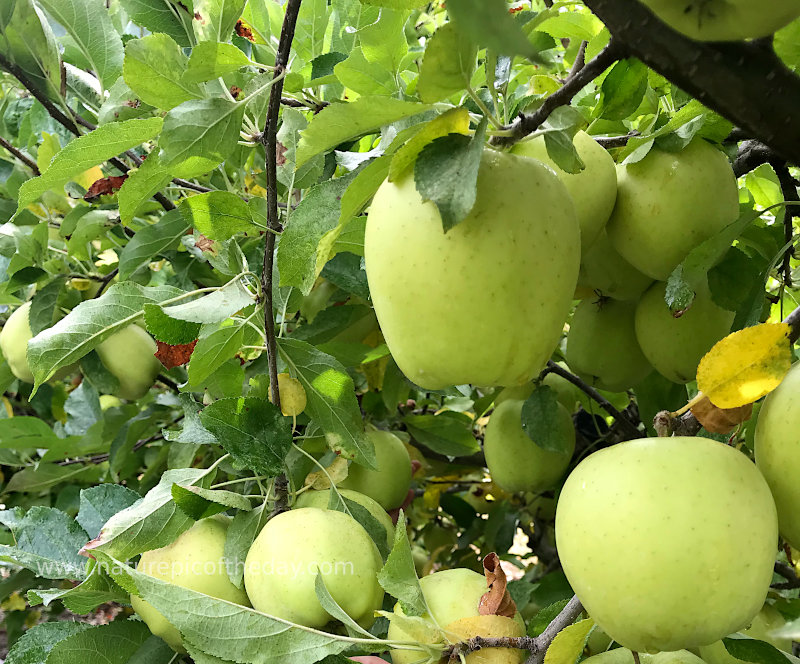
720 420
497 601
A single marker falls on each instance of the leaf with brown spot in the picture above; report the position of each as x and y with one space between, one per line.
243 30
174 356
104 186
204 244
720 420
496 601
280 154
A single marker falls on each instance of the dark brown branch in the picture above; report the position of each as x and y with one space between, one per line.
104 281
793 321
752 154
790 212
101 458
615 141
25 159
788 573
746 83
580 61
568 615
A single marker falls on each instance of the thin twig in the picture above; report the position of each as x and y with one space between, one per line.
580 61
25 159
105 456
106 280
790 212
568 614
609 142
788 573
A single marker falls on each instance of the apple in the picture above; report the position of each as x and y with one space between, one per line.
777 452
388 485
593 190
724 20
294 548
488 627
639 531
675 346
515 462
604 271
109 401
320 499
484 303
195 560
567 393
130 355
602 347
668 203
625 656
767 620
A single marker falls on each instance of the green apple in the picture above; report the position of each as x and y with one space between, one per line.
109 401
602 347
593 190
567 393
778 453
675 346
321 499
724 20
605 272
484 303
515 462
388 485
490 626
668 203
625 656
195 560
767 620
297 546
130 355
639 531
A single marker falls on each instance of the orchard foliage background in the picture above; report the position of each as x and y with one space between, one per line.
152 150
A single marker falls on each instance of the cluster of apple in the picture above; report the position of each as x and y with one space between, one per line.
129 355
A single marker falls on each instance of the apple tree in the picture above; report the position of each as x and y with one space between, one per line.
355 330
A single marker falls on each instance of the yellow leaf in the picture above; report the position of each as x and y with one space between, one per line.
293 396
7 405
745 365
319 480
89 177
569 643
15 602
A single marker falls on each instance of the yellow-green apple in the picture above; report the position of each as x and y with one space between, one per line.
625 656
484 303
517 463
593 190
321 500
195 560
602 347
670 202
388 484
777 449
130 355
675 346
767 620
639 530
605 272
724 20
297 546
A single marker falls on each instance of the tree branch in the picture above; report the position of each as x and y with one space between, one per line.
788 573
25 159
564 619
789 190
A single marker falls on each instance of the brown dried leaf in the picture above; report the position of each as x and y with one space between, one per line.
204 244
174 356
243 30
104 186
496 601
720 420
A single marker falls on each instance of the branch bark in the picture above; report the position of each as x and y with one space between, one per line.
25 159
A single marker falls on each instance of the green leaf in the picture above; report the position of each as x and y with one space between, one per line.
43 305
332 402
242 532
154 70
541 421
115 643
384 41
192 429
142 183
169 330
446 172
206 128
337 612
488 23
753 650
168 16
200 503
365 77
374 528
210 60
35 644
346 271
362 188
338 122
215 19
253 431
213 349
398 577
150 241
396 4
569 643
448 433
44 476
96 589
448 64
99 503
219 215
89 24
214 307
544 617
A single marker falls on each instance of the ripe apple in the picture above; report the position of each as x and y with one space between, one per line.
675 346
294 548
603 270
778 454
515 462
668 203
593 190
130 355
195 560
320 500
724 20
639 531
602 347
484 303
388 485
767 620
625 656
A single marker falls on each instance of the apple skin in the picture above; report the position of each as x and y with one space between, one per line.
488 627
284 560
593 190
604 271
320 500
515 462
724 20
201 546
388 485
514 259
625 656
647 519
668 203
130 355
767 620
777 452
675 346
602 347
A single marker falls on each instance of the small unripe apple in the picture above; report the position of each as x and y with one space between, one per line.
517 463
639 530
777 450
604 271
602 347
675 346
130 355
294 547
388 485
670 202
514 259
195 560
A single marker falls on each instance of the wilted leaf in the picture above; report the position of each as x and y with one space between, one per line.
496 601
720 420
174 356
